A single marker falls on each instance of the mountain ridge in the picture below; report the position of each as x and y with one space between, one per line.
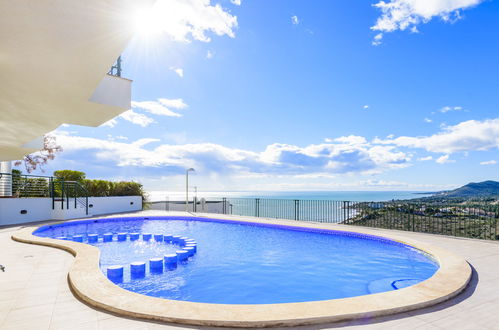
487 188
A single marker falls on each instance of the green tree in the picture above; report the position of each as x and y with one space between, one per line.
97 188
69 175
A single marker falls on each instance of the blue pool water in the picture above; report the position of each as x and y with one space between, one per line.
238 263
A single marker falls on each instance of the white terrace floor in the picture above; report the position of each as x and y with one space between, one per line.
34 292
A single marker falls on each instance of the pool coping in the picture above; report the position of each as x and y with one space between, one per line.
90 285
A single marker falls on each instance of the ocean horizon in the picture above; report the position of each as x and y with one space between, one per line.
354 196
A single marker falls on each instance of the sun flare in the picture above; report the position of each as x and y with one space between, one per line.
148 23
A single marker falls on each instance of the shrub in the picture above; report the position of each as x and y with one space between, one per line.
124 188
69 175
101 188
97 188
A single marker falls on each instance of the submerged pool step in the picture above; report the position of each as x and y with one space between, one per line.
122 237
138 269
156 265
169 262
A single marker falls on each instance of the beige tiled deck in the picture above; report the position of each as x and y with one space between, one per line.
34 293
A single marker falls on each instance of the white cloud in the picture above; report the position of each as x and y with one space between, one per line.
424 159
408 14
448 109
236 2
136 118
178 71
183 20
365 107
110 123
295 20
471 135
444 160
118 137
210 54
275 159
489 162
377 39
351 139
161 106
173 103
428 120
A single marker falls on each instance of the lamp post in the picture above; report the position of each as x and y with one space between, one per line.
187 188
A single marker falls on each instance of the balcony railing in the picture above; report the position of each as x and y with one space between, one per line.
64 194
473 219
116 68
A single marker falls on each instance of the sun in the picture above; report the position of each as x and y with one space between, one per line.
147 23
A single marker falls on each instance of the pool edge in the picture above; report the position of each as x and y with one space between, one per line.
90 285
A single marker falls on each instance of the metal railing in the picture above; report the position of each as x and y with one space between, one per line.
68 193
473 219
22 185
195 205
116 68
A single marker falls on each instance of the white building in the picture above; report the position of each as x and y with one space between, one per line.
54 59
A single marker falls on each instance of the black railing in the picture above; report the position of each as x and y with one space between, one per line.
116 68
473 219
22 185
292 209
68 193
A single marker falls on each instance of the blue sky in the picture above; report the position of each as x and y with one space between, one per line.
304 95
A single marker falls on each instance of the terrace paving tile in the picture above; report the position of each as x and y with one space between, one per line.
27 324
75 318
24 301
8 295
34 292
31 312
78 326
122 324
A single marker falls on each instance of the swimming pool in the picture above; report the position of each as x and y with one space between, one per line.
240 263
252 272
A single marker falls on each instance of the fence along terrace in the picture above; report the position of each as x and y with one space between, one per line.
28 198
471 218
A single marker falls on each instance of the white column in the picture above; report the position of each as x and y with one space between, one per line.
5 180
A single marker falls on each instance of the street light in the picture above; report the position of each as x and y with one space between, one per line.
187 188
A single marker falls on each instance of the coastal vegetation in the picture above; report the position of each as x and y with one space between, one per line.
470 218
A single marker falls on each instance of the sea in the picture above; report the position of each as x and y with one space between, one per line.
354 196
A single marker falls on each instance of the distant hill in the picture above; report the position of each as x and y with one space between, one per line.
473 189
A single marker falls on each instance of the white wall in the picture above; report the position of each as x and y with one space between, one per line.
39 209
116 204
114 91
6 180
